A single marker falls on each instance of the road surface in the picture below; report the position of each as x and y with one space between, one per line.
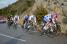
19 36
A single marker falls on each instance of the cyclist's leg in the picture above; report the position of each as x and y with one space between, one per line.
44 30
15 25
29 25
9 25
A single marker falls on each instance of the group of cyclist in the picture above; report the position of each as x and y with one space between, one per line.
12 20
29 21
48 21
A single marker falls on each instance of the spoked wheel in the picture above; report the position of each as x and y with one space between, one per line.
30 28
53 30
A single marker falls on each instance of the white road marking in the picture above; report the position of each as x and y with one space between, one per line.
13 37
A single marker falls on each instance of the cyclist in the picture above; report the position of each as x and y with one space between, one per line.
25 22
46 21
32 18
10 21
16 19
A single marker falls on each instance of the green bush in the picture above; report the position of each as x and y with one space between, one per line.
39 12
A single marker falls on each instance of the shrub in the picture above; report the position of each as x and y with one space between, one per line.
39 12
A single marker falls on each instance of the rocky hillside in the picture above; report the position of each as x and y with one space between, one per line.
49 6
36 7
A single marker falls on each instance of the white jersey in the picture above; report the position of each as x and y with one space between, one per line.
32 18
16 17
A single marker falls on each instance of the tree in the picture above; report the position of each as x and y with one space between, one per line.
17 8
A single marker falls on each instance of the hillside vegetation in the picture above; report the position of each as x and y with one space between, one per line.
17 8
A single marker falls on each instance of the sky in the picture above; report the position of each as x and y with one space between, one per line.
5 3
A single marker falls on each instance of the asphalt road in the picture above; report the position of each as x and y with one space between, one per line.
19 36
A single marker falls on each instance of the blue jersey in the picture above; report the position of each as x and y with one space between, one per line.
46 18
26 18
